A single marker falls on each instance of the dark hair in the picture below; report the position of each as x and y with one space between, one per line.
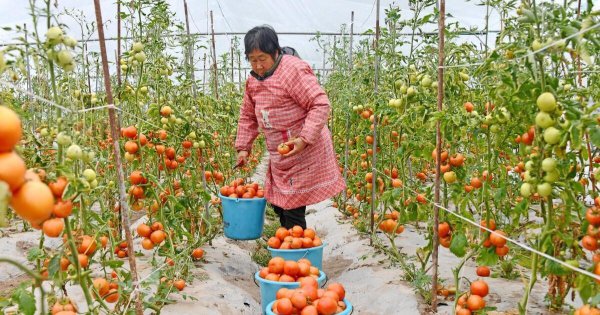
262 38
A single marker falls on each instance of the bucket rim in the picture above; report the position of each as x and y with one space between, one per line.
237 199
297 249
322 277
349 307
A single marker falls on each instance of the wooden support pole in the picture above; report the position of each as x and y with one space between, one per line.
374 160
438 146
214 55
119 165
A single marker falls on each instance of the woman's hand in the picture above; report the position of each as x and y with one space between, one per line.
297 144
242 158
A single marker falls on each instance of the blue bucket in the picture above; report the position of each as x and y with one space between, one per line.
314 254
268 288
347 311
243 219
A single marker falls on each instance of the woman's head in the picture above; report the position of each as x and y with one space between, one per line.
261 48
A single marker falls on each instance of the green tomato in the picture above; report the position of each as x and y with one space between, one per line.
463 76
528 178
544 120
552 135
552 177
137 47
202 144
398 84
411 91
140 57
74 152
89 174
54 35
94 183
426 82
494 129
544 189
549 164
526 190
63 139
44 132
546 102
529 165
536 45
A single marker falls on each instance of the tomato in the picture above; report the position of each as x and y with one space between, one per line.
53 227
546 102
552 135
496 238
468 106
283 149
450 177
475 302
179 284
33 202
326 306
483 271
592 215
443 229
12 170
590 243
480 288
10 129
198 253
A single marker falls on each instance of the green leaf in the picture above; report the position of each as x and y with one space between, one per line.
54 265
595 136
25 300
34 253
487 257
458 246
114 263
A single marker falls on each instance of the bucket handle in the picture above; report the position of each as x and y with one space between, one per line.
254 279
326 279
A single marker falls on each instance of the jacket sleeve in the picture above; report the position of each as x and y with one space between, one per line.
306 91
247 129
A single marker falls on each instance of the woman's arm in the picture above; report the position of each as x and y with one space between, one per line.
247 124
304 88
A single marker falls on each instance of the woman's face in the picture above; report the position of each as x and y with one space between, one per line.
260 61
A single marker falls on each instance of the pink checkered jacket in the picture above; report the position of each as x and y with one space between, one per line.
288 104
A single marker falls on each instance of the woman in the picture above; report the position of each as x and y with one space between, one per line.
285 101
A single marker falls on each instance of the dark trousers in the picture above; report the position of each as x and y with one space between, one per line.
291 217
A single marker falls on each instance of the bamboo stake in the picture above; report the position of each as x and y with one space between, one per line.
190 51
214 55
374 161
438 145
119 42
232 65
119 166
29 87
345 195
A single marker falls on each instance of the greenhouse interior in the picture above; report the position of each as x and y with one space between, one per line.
270 157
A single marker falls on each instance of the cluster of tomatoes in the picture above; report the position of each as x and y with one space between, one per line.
282 270
587 310
238 189
64 307
390 224
105 289
31 199
495 238
153 234
468 303
591 241
310 300
294 238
